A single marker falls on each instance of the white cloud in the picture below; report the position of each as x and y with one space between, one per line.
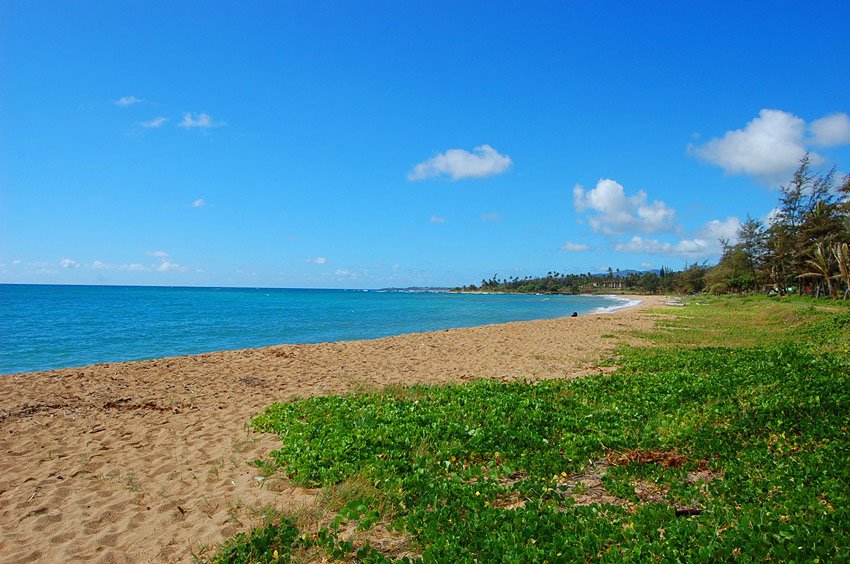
132 267
492 216
435 219
715 229
770 146
695 248
158 121
342 273
615 212
168 266
68 263
575 247
16 262
204 121
199 203
165 265
318 260
126 101
483 161
638 244
691 248
831 130
704 243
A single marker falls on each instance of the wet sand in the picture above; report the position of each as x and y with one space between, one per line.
147 461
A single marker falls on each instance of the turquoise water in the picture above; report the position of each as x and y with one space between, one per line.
44 327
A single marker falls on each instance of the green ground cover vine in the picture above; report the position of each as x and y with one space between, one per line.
685 453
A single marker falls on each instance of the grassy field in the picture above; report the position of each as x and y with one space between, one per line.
726 440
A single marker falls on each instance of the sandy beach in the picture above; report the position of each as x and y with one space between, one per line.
147 461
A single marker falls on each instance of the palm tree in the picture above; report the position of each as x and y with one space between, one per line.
841 251
820 268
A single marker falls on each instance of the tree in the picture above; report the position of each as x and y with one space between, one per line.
820 267
752 239
841 251
732 274
779 255
649 282
691 280
667 279
808 214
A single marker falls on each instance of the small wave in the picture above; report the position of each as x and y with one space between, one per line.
623 304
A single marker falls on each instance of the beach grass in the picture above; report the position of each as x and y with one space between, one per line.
748 321
727 439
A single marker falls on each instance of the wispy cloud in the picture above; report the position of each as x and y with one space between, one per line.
127 101
435 219
771 145
68 263
158 121
705 241
612 211
199 203
492 216
638 244
165 265
131 267
168 266
575 247
318 260
203 121
483 161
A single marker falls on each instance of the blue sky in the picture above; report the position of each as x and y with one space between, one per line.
373 144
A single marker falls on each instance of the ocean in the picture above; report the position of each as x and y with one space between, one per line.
46 327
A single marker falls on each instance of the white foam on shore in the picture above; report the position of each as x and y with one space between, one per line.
624 303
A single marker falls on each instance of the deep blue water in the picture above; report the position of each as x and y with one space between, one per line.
44 327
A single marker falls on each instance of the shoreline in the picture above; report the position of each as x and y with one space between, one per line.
628 302
147 460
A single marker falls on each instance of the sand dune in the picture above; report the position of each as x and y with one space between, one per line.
147 461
